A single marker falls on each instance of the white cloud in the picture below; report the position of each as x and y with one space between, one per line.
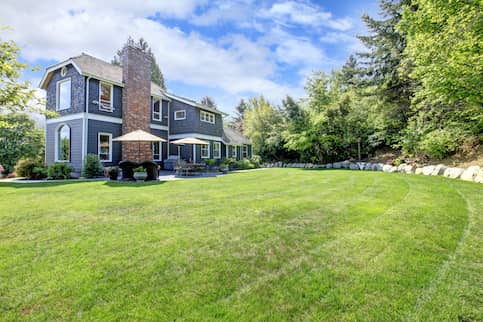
305 14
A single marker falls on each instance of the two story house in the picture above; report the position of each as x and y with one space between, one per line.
96 101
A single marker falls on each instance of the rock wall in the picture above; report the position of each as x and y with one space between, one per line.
473 173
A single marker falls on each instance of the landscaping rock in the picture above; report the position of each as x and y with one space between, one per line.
377 166
393 169
401 168
427 170
328 165
470 173
418 171
353 166
439 170
386 167
409 168
337 165
453 173
368 166
345 164
361 165
479 176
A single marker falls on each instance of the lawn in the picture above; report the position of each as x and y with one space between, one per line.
278 244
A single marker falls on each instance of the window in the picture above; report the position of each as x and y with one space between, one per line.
207 117
105 97
157 151
180 115
63 94
216 150
104 147
63 144
205 151
245 151
63 71
233 151
157 110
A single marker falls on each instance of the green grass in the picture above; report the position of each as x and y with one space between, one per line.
278 244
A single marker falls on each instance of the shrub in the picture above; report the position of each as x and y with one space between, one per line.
139 169
31 169
60 170
92 167
1 171
113 172
256 160
441 143
210 162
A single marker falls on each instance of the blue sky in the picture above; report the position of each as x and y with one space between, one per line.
224 49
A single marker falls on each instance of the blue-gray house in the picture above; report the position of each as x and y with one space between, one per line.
97 101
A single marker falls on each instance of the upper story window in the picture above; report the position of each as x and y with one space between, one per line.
216 150
105 97
63 99
157 151
180 115
62 152
205 151
157 110
207 117
63 71
104 147
245 151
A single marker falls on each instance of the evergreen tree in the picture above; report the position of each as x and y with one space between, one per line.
208 101
156 74
238 120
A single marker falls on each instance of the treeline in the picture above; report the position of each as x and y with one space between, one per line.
417 89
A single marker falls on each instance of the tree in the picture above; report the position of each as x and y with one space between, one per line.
19 139
15 96
239 119
380 68
156 74
208 101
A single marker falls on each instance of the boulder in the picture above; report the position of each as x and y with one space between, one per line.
377 166
470 173
401 168
345 164
438 170
328 165
418 170
453 173
361 165
353 166
368 166
386 167
393 169
479 176
427 170
337 165
409 168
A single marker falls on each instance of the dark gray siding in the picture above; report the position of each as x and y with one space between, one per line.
164 110
94 96
94 127
192 123
76 132
77 91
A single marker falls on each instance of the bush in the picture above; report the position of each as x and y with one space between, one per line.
139 169
210 162
31 169
256 160
441 143
92 167
113 173
60 170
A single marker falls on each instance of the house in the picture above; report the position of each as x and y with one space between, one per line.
96 101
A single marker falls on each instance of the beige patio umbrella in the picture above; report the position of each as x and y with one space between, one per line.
139 136
192 141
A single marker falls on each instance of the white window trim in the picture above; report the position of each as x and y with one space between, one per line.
99 146
234 148
160 110
179 118
57 94
56 141
209 114
244 151
219 150
160 151
101 108
201 151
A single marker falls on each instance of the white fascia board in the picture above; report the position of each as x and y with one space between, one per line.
89 116
55 67
195 135
64 118
158 127
104 118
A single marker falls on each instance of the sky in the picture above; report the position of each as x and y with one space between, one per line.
227 50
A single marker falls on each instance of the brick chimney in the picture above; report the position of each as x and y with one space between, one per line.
136 101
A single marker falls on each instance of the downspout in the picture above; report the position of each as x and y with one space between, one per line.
168 147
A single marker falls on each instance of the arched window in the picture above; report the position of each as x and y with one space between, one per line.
63 143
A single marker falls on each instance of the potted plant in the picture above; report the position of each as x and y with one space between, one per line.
140 174
113 173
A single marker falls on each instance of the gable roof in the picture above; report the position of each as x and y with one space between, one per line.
233 137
